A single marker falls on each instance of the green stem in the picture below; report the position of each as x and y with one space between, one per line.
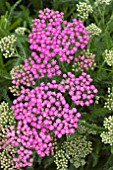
104 69
101 66
94 127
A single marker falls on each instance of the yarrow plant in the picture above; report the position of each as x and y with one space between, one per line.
61 159
84 9
109 57
102 2
20 30
95 30
7 46
109 100
43 86
85 61
74 151
107 136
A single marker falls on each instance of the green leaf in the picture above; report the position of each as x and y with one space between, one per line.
12 62
111 168
4 74
72 136
112 150
100 112
96 151
48 161
15 24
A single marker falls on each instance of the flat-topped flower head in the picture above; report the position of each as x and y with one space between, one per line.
102 2
77 149
56 37
109 57
20 30
85 61
61 159
107 136
84 9
95 30
109 99
7 46
45 111
80 88
6 116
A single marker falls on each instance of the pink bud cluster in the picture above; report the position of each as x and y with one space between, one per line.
40 65
53 36
85 61
25 75
52 40
21 156
43 114
80 89
21 77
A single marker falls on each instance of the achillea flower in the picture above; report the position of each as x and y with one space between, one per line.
74 151
20 79
80 88
84 9
6 116
109 100
61 159
86 61
56 37
42 113
20 30
7 151
45 111
77 149
109 57
102 2
94 30
7 46
13 155
52 41
107 136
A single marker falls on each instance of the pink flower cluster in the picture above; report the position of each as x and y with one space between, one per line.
52 40
80 89
21 156
52 36
42 115
85 61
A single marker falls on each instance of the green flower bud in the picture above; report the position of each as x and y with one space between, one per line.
107 137
7 46
94 29
6 116
102 2
78 149
84 9
20 30
109 101
109 57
